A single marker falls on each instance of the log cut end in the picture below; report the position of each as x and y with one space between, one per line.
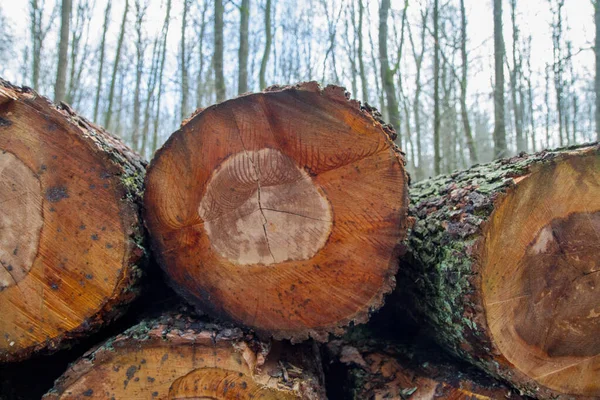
177 358
282 211
70 233
541 274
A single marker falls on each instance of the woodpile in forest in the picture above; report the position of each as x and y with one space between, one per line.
283 219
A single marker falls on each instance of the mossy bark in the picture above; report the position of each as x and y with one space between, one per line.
441 271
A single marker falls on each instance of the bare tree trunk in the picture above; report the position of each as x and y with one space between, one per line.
268 38
558 65
218 55
78 55
36 42
111 93
199 81
184 63
150 95
418 57
463 85
244 48
597 79
140 11
514 80
63 49
387 76
436 90
547 103
361 64
101 61
500 148
165 32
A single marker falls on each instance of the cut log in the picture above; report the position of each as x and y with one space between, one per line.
70 233
179 358
384 370
504 263
281 211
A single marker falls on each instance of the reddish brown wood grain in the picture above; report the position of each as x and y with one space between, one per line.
71 235
281 210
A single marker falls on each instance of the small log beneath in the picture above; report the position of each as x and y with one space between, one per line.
179 358
70 233
378 371
281 211
504 264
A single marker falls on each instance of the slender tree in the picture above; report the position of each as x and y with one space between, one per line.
418 56
200 29
63 49
244 47
436 89
557 66
161 69
39 31
463 85
111 93
597 78
140 13
184 62
218 55
515 76
101 60
268 39
387 74
500 148
361 63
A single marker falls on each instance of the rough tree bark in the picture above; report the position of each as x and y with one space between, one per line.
63 49
503 263
288 214
376 369
176 357
500 147
71 239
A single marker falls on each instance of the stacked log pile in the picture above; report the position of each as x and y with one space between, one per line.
283 219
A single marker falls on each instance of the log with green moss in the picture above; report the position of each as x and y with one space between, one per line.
503 264
176 357
70 231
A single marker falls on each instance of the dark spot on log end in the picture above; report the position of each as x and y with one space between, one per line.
94 237
4 122
88 393
56 194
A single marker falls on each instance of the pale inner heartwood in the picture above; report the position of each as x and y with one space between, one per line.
259 207
20 219
541 276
